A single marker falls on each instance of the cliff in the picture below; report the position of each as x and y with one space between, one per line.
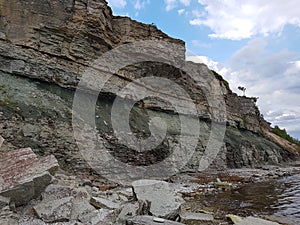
47 46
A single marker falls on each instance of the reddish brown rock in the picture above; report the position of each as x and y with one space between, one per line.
23 175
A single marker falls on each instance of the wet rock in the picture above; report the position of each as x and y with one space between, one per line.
198 218
150 220
282 220
56 210
104 203
164 203
222 185
23 176
255 221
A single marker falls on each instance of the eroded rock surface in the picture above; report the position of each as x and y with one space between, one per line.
23 175
164 202
47 45
253 221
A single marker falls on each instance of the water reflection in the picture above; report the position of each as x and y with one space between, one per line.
288 203
280 198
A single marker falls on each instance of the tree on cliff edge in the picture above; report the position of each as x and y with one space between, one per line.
243 89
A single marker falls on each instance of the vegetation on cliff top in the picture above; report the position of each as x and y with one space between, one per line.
220 78
282 133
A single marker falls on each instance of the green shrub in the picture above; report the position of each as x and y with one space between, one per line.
282 133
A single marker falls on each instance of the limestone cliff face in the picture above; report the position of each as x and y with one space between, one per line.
55 42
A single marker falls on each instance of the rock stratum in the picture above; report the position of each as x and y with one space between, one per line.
47 46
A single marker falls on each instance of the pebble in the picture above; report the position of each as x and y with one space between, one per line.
95 189
158 220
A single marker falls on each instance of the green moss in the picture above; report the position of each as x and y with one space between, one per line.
2 89
6 101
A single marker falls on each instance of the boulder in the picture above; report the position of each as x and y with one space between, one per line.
104 203
199 218
150 220
96 217
23 175
55 195
255 221
127 210
55 211
164 203
81 208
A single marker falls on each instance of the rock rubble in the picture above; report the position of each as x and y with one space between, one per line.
23 175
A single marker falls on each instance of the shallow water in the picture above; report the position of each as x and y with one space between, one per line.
280 198
288 202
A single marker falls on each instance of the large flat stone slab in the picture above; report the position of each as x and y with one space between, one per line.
150 220
78 203
255 221
104 203
23 175
199 218
55 211
164 202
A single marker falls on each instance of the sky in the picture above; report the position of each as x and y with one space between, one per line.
251 43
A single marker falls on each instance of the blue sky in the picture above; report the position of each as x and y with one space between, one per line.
251 43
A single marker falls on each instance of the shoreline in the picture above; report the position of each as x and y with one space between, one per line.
195 189
236 180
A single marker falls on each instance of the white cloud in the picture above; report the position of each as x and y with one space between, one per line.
170 4
275 79
234 19
209 62
117 3
181 11
185 2
201 44
138 5
197 13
